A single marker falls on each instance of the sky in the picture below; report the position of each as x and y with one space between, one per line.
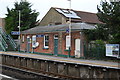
42 6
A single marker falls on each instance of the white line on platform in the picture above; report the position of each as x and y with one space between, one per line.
5 76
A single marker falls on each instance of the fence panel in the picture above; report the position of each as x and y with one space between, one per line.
94 51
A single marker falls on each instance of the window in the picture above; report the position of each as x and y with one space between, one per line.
51 23
66 11
23 38
55 36
68 43
28 39
34 41
58 23
46 41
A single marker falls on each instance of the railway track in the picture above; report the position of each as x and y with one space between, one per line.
21 74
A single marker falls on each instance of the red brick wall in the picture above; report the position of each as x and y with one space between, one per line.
41 49
75 35
23 44
61 44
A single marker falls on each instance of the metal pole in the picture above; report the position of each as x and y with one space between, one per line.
19 28
69 28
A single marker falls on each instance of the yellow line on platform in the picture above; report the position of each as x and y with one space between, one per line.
56 59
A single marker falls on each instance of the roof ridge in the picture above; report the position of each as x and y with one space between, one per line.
59 8
73 10
85 12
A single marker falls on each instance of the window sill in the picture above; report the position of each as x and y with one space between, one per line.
67 50
45 48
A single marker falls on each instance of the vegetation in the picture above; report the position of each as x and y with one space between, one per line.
28 17
99 33
109 14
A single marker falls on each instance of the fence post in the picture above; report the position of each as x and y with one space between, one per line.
85 52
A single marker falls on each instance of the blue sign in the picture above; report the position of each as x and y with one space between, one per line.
39 35
67 30
15 33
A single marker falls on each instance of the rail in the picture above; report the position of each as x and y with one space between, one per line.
3 43
33 75
10 39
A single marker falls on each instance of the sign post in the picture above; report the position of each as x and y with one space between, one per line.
19 26
69 29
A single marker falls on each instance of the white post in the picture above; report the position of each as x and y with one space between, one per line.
69 28
19 28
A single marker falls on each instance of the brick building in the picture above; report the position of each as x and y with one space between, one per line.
51 36
53 40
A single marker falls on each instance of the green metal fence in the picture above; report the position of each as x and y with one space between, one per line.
94 51
97 52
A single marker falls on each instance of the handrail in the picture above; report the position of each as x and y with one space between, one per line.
10 38
4 44
0 30
12 41
3 41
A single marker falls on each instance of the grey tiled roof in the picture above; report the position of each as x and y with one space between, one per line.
55 28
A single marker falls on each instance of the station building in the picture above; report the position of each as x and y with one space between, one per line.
51 37
54 40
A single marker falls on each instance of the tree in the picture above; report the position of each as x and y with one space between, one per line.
28 17
99 33
109 14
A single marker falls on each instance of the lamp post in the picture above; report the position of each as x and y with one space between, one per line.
19 28
69 28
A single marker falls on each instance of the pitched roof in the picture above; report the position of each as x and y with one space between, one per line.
55 28
86 17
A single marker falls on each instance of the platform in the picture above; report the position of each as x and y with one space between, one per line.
96 63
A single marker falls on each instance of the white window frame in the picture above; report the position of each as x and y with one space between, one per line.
34 41
45 41
55 36
68 43
28 37
23 38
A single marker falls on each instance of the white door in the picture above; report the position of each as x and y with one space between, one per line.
77 48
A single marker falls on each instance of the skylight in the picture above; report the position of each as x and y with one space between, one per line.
68 14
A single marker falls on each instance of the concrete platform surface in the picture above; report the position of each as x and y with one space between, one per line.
97 63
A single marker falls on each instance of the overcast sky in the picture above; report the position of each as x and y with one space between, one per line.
42 6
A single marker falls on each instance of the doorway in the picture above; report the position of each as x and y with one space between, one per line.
28 43
77 48
56 45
